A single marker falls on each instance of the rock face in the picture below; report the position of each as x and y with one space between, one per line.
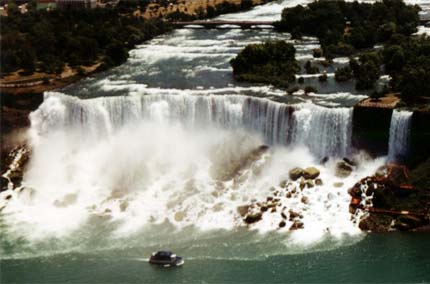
311 173
16 160
296 173
390 204
343 169
381 171
407 222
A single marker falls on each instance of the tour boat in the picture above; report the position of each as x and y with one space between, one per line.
166 259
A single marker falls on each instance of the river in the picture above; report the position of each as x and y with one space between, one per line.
160 152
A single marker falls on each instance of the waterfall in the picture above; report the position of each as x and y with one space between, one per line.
325 131
398 145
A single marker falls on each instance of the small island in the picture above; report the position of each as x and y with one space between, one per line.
271 62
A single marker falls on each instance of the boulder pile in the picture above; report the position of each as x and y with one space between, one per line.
300 179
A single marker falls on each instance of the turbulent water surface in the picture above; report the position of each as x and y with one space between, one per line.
159 153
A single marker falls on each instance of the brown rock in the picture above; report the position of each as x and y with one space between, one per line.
123 205
305 200
343 170
242 210
311 173
297 225
179 216
252 218
296 173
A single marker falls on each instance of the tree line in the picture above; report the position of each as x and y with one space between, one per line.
46 40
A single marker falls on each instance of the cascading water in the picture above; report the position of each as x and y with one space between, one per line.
398 145
187 160
325 131
172 155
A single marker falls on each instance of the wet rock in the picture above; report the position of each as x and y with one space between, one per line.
123 205
117 193
269 198
273 210
311 173
242 210
318 182
7 197
355 191
349 162
288 195
381 171
253 217
282 224
324 160
305 200
297 225
296 173
271 204
343 170
263 208
407 222
179 216
302 184
309 183
67 200
294 215
283 215
376 223
338 184
218 207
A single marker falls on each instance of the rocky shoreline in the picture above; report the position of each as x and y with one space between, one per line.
390 202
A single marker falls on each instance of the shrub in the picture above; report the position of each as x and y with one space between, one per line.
310 89
323 78
343 74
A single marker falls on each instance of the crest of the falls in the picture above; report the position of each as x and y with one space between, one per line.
398 145
325 131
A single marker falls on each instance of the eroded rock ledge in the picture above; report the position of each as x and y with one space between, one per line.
388 202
